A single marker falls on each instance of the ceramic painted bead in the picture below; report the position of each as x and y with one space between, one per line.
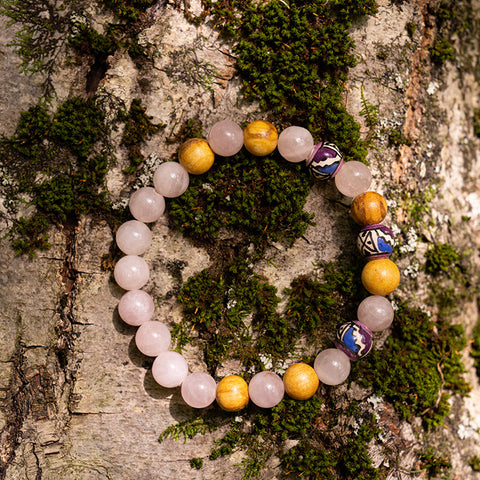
196 156
300 381
375 241
232 393
354 339
380 277
260 138
325 161
368 208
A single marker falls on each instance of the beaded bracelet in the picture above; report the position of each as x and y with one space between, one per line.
354 339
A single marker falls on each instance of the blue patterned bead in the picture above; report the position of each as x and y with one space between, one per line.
324 161
354 339
375 241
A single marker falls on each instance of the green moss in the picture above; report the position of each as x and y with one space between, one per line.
474 462
138 128
420 366
476 122
262 198
196 463
411 28
397 138
294 59
441 258
433 463
475 347
129 10
59 161
442 51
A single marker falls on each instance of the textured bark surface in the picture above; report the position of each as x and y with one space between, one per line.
77 399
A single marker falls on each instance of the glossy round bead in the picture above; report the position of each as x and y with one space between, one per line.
376 313
332 366
169 369
375 241
136 307
368 208
380 277
300 381
232 393
354 339
295 144
324 161
170 179
198 390
131 272
353 179
146 205
225 138
196 156
133 237
266 389
152 338
260 138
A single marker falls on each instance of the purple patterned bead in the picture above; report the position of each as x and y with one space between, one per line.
375 241
354 339
325 161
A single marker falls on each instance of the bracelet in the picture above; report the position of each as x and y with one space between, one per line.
354 339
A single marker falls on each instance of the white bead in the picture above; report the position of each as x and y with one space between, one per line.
353 179
376 313
225 138
332 366
136 307
146 205
169 369
152 338
295 144
133 237
170 179
131 272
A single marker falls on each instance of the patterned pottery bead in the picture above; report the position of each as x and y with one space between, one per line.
232 393
380 277
260 138
368 208
196 156
375 241
300 381
325 161
354 339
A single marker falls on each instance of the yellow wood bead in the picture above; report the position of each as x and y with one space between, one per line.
368 208
260 138
232 393
300 381
380 277
196 156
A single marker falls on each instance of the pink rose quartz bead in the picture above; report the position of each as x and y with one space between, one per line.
376 313
266 389
170 179
225 138
198 390
353 179
136 307
131 272
133 237
295 144
169 369
152 338
146 205
332 366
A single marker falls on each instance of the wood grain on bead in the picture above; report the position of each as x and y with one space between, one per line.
380 277
232 393
300 381
260 138
196 156
368 208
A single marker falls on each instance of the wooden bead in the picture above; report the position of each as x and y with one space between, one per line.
368 208
380 277
196 156
260 138
232 393
300 381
